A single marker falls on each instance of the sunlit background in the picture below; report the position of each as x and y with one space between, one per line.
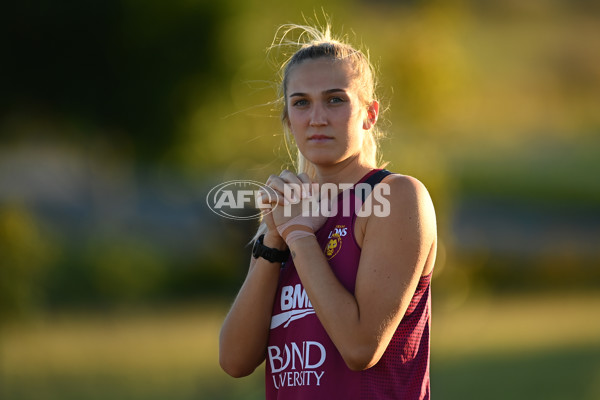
117 117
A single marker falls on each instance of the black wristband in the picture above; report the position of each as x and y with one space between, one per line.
268 253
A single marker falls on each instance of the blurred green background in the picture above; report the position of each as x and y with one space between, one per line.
117 117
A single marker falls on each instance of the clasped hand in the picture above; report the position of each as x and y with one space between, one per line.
294 202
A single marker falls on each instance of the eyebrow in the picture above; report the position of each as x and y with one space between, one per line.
328 91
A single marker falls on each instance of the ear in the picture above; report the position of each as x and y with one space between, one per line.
372 114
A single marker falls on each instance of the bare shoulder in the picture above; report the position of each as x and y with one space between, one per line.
406 182
407 206
410 206
407 190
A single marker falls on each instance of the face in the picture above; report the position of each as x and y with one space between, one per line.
326 116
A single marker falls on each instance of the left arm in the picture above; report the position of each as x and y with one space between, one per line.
396 251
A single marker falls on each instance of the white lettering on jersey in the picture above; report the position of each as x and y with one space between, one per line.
296 364
294 304
338 232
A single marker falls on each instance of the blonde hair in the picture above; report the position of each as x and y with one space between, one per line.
312 43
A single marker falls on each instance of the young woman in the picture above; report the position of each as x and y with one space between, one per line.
337 306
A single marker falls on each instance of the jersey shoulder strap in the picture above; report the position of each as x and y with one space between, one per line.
372 181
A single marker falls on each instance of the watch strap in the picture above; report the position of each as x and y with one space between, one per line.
268 253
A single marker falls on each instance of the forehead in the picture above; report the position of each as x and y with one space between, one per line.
321 74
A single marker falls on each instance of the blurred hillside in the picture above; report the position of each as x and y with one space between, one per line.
117 117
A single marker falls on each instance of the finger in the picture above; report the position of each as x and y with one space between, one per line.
276 183
289 176
289 186
271 195
303 177
306 185
295 192
264 198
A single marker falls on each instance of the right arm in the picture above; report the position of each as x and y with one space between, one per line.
245 332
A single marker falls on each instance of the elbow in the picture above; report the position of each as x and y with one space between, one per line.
359 364
361 358
233 367
233 361
236 372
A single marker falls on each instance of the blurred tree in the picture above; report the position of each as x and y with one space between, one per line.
119 67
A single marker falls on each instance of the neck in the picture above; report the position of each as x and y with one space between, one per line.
348 171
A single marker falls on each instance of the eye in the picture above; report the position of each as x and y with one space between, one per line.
300 103
336 99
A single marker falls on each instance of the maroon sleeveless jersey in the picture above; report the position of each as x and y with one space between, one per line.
303 363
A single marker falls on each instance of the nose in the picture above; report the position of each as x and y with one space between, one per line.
318 115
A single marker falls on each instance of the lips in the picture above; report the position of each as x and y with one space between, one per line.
318 138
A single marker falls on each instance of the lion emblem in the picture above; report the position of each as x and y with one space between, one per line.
333 246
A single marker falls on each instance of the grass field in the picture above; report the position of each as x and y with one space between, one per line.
517 347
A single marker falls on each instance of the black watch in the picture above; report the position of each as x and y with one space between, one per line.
268 253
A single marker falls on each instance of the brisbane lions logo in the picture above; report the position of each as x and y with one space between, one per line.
334 245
